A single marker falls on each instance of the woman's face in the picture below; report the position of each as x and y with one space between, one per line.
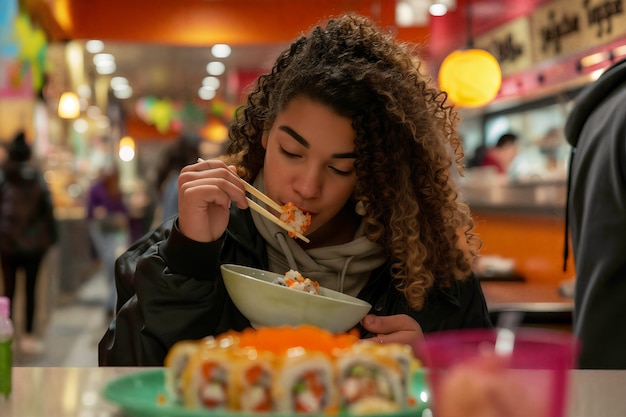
309 160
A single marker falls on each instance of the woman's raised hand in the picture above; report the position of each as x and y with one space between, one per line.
205 192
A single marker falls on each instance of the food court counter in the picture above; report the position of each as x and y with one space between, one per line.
74 392
524 224
535 198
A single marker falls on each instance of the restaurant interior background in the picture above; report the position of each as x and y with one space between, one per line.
145 71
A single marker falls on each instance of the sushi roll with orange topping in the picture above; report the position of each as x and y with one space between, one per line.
305 383
369 377
296 218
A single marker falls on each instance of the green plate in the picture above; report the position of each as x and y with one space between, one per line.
137 395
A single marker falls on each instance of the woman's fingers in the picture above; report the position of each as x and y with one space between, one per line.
205 192
399 328
216 174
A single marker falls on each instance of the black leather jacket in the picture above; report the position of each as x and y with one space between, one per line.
170 289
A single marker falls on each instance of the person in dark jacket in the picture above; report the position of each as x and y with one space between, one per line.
348 128
596 129
27 230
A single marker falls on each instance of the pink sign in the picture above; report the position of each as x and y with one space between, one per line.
14 81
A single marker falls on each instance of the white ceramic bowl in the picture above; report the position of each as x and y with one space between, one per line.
267 304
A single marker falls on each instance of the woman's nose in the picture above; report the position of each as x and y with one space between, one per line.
309 183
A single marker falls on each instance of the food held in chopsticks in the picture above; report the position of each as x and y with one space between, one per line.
295 217
296 281
301 369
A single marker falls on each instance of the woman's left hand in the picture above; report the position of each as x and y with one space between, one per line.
399 328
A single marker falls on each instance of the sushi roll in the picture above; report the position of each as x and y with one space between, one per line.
295 217
401 353
252 378
367 377
206 380
175 363
305 383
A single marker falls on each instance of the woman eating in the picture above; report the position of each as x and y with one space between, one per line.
348 128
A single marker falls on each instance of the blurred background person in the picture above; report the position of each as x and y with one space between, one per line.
184 152
502 154
141 208
108 218
27 229
477 157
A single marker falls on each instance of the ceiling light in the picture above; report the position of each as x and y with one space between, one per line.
206 93
471 77
211 82
106 68
69 107
404 14
437 9
123 92
216 68
221 50
94 46
102 59
117 82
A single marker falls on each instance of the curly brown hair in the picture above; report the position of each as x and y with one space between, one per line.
406 142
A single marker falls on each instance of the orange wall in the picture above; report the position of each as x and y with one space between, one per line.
534 241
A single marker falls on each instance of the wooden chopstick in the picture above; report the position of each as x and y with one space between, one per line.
271 203
254 206
263 212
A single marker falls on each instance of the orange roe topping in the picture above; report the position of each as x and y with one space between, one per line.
280 339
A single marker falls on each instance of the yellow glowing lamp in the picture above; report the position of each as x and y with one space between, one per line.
471 77
69 106
127 148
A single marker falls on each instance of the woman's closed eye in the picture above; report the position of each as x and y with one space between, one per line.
289 154
341 172
338 171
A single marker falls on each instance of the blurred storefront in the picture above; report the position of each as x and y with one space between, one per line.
548 51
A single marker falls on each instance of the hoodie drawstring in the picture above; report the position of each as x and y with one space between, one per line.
342 276
280 237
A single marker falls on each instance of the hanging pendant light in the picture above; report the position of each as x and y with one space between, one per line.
69 107
471 77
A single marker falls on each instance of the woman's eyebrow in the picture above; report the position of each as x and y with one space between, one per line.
307 145
295 135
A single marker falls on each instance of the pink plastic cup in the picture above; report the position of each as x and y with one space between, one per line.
467 377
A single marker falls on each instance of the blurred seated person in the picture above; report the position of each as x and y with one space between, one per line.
501 156
184 152
477 158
